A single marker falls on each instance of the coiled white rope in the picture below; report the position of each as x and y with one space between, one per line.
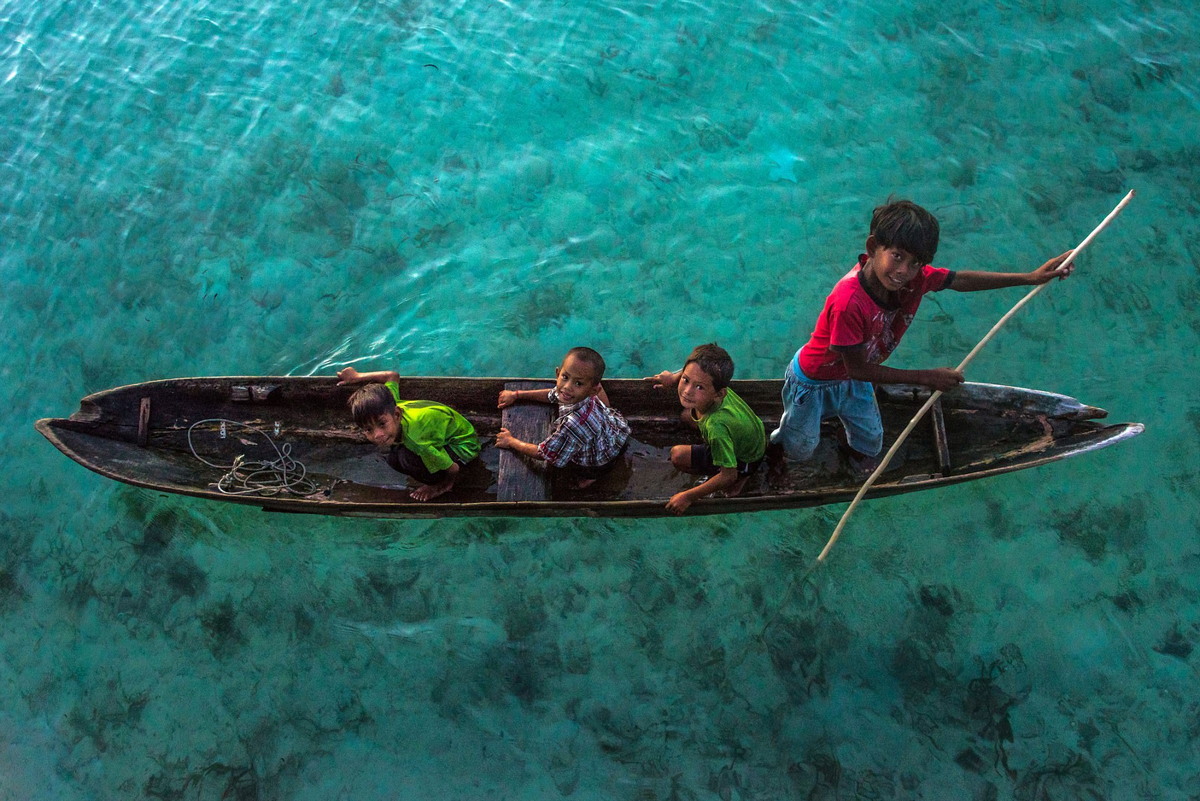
258 477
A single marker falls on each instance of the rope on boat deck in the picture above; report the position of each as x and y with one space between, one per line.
256 477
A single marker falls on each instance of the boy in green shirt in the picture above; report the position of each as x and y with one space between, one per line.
426 441
734 439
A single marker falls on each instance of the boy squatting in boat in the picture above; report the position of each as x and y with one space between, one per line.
588 437
427 441
734 439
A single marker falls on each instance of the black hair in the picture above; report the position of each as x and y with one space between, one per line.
591 358
370 403
714 360
905 225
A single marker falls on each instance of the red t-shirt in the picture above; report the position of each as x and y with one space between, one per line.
852 317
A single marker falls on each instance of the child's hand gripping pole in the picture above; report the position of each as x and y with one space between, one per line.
970 356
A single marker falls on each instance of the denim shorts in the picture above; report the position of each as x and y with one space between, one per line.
806 402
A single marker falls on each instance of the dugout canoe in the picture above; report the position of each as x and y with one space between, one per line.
139 434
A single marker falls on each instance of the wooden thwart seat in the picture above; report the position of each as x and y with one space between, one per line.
520 478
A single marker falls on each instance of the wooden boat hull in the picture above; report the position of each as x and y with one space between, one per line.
138 434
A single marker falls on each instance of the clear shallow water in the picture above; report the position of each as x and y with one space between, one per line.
471 189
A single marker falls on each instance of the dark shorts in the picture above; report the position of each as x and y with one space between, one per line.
598 471
702 463
402 460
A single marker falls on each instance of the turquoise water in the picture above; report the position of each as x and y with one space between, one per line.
469 189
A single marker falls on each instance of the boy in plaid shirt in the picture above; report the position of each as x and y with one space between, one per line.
587 437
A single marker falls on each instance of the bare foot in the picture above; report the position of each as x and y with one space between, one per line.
776 461
426 492
584 483
860 466
734 490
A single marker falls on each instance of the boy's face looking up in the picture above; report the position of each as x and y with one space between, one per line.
576 380
889 269
383 430
696 390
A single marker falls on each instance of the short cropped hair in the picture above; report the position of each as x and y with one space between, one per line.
370 403
589 357
714 360
905 225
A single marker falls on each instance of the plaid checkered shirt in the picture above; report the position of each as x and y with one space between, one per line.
587 433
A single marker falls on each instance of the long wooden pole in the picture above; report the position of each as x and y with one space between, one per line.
837 532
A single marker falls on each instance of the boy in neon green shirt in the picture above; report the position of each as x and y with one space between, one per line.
734 438
427 441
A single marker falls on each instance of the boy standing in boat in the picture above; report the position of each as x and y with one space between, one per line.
587 437
734 439
426 441
862 322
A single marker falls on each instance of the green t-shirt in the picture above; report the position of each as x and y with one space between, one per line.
733 431
428 429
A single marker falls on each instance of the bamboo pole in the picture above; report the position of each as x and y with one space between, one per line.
837 532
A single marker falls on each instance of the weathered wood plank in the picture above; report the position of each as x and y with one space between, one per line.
143 422
940 442
522 479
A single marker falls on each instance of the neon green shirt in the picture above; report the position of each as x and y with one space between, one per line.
428 429
733 431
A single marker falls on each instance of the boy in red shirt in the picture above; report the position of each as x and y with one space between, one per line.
864 317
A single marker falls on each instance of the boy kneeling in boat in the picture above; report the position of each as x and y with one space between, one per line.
864 317
588 437
426 441
734 439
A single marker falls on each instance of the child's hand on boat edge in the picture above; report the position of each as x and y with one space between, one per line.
679 503
664 380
